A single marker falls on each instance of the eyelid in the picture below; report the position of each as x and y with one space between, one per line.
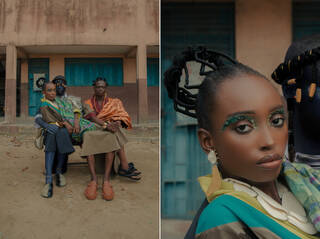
237 118
245 132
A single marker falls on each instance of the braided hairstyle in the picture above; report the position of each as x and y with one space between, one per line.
299 77
199 105
42 83
99 78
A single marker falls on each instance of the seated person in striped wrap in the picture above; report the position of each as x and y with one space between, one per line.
110 114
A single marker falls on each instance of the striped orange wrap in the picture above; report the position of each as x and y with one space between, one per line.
113 110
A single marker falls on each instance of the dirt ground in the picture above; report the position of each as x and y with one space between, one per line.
24 214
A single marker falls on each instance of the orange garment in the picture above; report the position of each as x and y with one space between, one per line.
112 110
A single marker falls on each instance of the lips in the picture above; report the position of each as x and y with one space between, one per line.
269 158
270 161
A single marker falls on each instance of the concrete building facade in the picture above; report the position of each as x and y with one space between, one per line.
116 39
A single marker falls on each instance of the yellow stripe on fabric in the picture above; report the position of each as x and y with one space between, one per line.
227 189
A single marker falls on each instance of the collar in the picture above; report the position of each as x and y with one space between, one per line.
290 210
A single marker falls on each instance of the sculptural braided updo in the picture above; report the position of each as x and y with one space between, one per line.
200 105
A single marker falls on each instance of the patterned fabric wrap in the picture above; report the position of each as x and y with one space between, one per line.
112 110
304 183
50 111
67 111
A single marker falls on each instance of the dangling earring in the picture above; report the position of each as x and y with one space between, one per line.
216 178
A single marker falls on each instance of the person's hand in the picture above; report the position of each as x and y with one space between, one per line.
119 123
60 124
76 128
68 127
112 127
52 128
116 125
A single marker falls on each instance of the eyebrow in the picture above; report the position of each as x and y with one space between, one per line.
279 107
238 116
242 115
251 112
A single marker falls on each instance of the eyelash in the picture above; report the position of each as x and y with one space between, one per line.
251 125
280 117
237 128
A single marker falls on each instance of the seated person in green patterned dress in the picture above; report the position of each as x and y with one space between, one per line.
61 119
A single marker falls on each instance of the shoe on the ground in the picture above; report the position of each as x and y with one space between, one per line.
107 192
91 190
47 190
132 173
61 180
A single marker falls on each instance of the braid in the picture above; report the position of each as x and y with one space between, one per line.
99 79
298 76
200 105
185 101
292 68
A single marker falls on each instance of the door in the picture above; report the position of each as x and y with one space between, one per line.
182 160
36 67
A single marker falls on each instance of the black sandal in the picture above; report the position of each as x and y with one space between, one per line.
132 169
128 174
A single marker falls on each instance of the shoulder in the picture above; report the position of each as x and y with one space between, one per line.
75 98
216 214
44 103
114 100
87 101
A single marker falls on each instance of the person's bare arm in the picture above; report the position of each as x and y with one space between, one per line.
76 128
112 126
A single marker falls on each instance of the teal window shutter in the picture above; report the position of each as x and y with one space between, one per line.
153 71
305 19
83 71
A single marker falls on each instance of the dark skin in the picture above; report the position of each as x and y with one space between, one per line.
244 142
50 94
76 127
100 92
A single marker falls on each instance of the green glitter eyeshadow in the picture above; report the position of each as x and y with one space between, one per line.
236 118
278 111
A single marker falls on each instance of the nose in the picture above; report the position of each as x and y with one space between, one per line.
266 141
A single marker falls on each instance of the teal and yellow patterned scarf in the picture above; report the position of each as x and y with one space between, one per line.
304 183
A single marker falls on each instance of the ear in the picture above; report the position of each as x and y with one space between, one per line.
206 140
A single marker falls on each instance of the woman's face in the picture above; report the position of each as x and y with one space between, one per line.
249 128
50 91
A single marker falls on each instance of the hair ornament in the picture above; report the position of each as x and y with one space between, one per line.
41 82
291 81
293 69
185 100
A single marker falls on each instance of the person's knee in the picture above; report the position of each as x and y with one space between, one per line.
90 158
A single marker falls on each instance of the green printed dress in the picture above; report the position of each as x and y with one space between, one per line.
64 109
